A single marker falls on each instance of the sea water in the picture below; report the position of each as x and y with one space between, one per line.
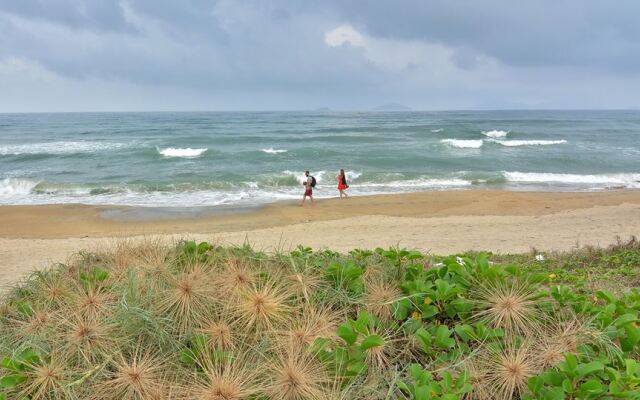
251 158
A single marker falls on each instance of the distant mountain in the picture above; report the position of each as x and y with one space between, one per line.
392 107
323 109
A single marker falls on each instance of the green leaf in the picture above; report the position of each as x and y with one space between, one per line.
187 357
372 341
362 323
605 295
555 393
422 393
586 369
11 381
571 363
443 339
346 333
591 386
625 319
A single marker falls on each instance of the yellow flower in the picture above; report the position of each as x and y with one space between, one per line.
427 300
416 315
552 276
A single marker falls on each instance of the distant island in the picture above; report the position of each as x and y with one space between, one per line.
392 107
323 109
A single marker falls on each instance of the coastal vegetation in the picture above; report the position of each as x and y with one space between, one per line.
201 321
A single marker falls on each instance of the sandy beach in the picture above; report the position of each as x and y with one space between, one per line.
33 237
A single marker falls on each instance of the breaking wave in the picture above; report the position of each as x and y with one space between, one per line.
271 150
463 143
495 134
606 180
182 153
517 143
59 147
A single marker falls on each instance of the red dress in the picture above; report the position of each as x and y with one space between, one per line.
342 183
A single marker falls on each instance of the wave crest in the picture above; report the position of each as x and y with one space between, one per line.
495 134
14 187
627 180
463 143
59 147
517 143
271 150
182 152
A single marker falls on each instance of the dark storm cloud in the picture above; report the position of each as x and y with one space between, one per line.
522 33
433 53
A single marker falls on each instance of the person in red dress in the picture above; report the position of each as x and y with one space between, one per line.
342 184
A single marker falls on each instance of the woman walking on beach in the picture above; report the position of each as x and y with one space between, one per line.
342 184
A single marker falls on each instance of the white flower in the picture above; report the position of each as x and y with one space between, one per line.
539 257
460 261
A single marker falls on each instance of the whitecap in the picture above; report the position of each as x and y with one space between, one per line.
517 143
437 130
630 180
271 150
182 152
59 147
463 143
495 134
14 187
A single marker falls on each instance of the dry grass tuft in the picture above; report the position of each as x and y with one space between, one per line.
235 278
310 324
92 302
231 379
222 332
139 377
304 285
263 307
296 376
503 372
379 297
510 305
188 299
46 380
91 339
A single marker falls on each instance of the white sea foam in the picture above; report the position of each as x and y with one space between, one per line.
14 187
495 134
517 143
419 183
463 143
437 130
182 153
630 180
59 147
271 150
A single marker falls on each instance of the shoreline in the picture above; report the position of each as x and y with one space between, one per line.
35 237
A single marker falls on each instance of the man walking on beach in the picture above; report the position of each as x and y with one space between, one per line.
309 184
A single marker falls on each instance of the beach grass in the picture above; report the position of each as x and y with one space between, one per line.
201 321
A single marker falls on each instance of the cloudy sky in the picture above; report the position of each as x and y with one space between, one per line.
109 55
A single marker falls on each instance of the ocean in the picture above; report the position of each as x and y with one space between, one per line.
251 158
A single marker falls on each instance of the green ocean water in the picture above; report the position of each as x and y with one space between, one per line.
251 158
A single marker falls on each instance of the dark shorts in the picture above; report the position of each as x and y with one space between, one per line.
308 192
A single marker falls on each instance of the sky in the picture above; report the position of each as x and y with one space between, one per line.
168 55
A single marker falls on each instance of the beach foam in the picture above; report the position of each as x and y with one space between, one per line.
517 143
605 180
495 134
463 143
59 147
182 152
14 187
271 150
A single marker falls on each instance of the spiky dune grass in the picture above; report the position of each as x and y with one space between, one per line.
197 321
